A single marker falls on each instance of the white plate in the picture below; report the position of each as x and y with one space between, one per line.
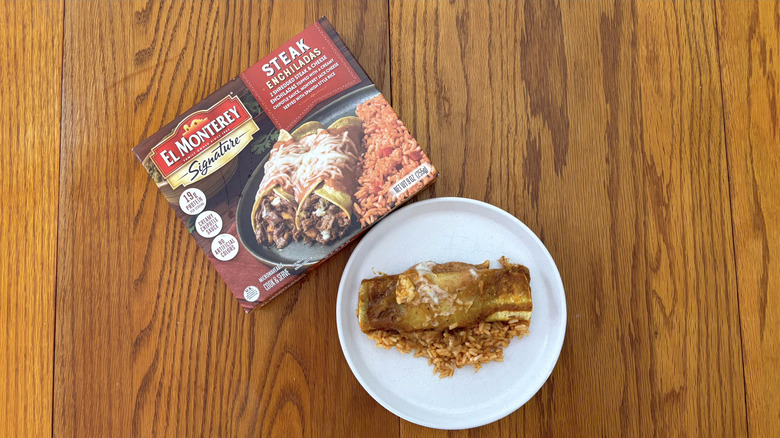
443 230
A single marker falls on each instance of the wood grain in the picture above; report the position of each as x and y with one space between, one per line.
92 392
749 39
640 141
600 125
30 74
169 351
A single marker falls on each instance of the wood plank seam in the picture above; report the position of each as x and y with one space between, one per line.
731 212
748 33
57 231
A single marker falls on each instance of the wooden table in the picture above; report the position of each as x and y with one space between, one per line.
640 141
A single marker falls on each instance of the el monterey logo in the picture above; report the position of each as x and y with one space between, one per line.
204 142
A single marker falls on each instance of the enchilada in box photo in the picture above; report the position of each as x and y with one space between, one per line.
306 191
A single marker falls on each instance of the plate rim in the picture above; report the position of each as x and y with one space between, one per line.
558 289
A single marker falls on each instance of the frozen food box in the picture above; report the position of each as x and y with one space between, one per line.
285 164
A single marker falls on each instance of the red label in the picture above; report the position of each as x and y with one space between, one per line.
198 133
303 72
